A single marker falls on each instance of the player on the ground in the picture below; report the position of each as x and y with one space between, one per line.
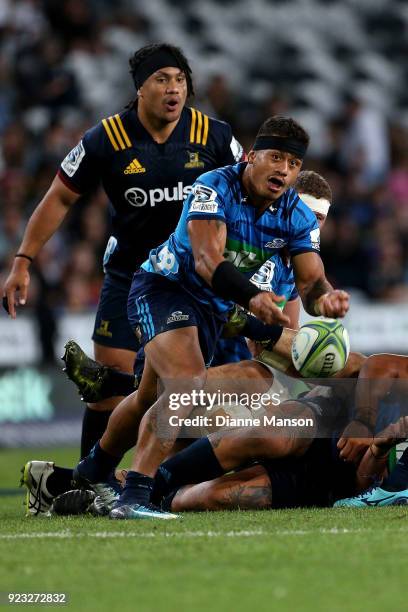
288 474
147 157
297 466
182 294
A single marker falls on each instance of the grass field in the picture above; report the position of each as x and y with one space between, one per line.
320 560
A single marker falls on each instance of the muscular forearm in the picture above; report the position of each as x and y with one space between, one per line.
311 292
43 223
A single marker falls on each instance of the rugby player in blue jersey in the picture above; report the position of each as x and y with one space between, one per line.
181 296
146 157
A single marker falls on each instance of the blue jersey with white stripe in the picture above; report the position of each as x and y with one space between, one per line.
252 239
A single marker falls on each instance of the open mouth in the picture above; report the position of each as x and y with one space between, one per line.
275 183
171 104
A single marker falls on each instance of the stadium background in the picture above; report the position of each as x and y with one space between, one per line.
339 67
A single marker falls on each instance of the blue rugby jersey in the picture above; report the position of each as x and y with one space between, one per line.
146 182
251 239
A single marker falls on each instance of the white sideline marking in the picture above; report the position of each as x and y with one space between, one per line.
132 534
189 534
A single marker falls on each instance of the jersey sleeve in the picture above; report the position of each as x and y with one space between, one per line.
304 233
294 295
207 199
81 169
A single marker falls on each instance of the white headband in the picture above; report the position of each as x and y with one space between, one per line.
318 205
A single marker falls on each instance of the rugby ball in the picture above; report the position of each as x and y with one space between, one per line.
320 348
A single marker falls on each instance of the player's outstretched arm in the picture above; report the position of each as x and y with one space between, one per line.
377 376
42 224
318 296
208 239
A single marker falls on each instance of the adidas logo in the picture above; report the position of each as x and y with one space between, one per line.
135 167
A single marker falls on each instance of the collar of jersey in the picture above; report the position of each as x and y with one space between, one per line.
142 134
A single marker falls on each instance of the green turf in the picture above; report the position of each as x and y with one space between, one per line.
317 560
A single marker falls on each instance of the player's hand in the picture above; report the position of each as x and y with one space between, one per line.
16 288
264 306
393 434
355 440
333 304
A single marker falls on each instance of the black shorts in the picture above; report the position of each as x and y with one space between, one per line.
112 327
157 305
318 478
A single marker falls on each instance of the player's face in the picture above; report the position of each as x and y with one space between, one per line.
164 94
273 172
321 218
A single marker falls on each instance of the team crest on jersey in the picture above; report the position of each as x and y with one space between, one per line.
204 199
263 277
72 161
276 243
135 167
194 161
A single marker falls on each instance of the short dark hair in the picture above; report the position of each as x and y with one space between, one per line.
313 184
286 127
139 56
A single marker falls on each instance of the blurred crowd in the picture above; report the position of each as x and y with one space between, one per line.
64 66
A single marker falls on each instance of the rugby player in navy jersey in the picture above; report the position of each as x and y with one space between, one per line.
181 296
147 157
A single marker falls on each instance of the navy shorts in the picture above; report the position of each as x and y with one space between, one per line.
157 305
319 478
231 350
112 327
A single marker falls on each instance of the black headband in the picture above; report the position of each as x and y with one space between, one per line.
281 143
160 59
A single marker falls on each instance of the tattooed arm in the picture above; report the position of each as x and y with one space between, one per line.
318 296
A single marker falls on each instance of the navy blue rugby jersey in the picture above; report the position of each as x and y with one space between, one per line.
146 182
251 239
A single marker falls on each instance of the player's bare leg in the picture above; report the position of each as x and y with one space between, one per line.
184 373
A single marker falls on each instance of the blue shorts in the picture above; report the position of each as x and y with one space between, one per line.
158 305
112 327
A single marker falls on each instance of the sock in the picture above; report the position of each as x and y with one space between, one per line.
398 479
137 490
94 424
118 383
60 481
98 465
197 463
